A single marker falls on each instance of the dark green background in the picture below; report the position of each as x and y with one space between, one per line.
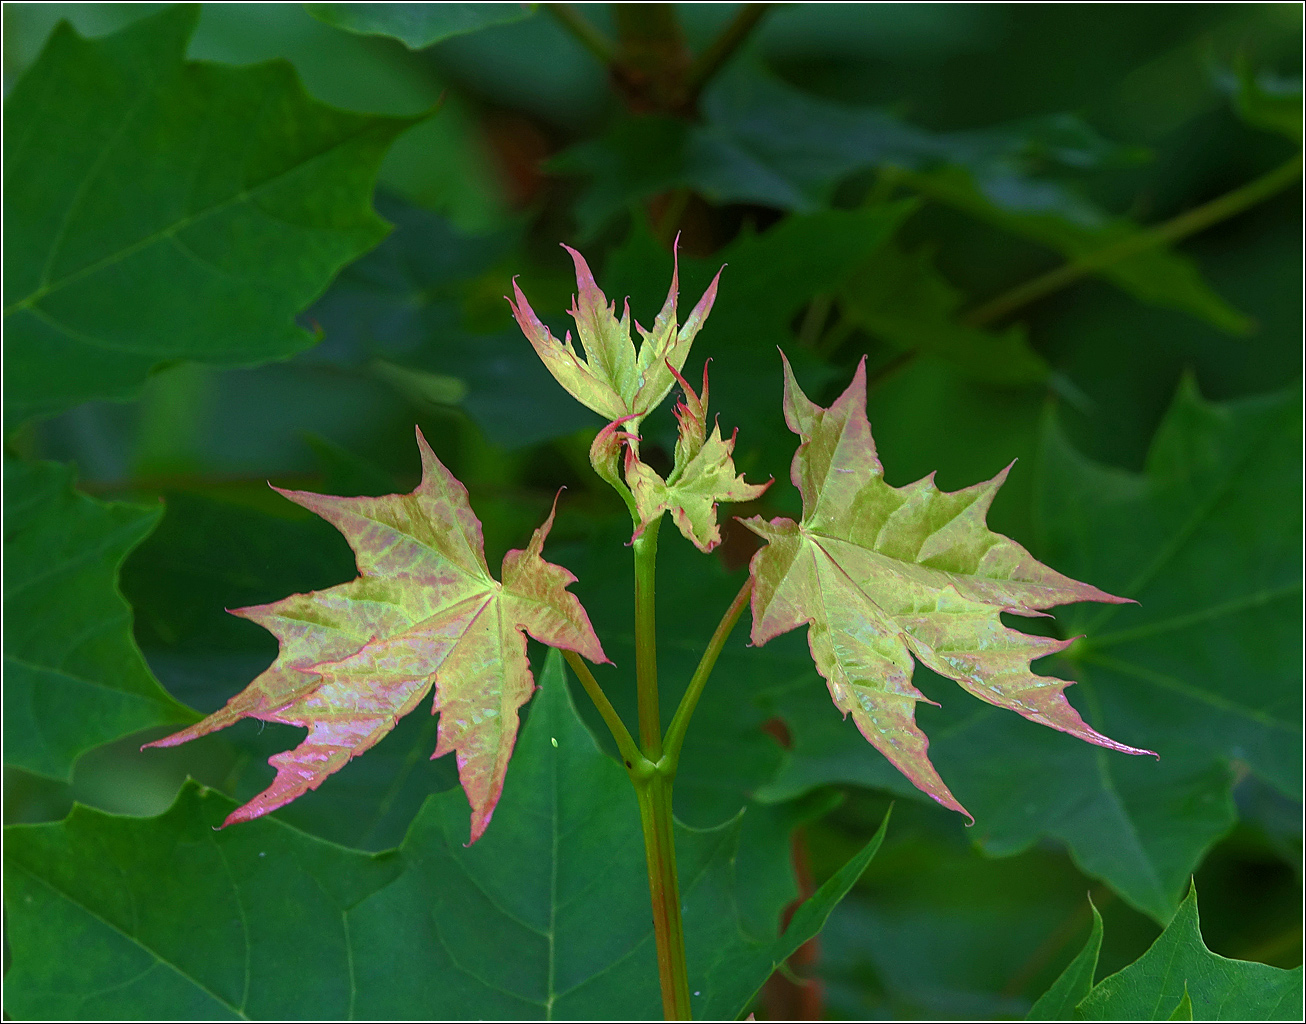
787 183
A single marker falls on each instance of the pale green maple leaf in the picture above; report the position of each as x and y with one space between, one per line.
881 575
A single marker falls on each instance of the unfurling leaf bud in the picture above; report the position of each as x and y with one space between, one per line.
611 377
703 476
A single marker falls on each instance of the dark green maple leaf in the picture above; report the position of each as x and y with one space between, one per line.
160 209
74 677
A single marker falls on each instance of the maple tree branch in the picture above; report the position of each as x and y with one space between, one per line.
625 743
646 655
722 48
1187 223
584 32
680 723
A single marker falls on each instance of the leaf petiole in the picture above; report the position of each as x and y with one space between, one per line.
625 743
675 736
584 31
711 60
1189 222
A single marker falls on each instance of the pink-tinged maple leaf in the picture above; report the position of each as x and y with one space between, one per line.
424 611
881 575
612 378
703 475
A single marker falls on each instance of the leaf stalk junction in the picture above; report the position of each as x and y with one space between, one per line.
652 766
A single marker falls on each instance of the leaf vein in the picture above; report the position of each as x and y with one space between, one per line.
244 195
237 1011
244 920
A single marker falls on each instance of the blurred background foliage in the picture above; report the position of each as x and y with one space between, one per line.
967 195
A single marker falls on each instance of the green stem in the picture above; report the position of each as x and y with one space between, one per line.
653 779
646 655
1188 223
711 60
680 723
584 31
653 791
629 751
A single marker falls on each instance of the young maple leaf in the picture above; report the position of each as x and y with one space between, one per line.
613 379
423 611
883 574
704 474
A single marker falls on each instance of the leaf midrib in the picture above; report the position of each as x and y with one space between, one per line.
159 958
1177 622
1200 513
64 673
245 193
1188 691
946 576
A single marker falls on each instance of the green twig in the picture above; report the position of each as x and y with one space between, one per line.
625 744
680 723
711 60
1185 224
585 32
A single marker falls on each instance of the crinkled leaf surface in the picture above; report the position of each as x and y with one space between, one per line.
163 209
1180 979
882 575
559 881
612 378
1204 669
418 25
74 677
424 612
768 278
703 476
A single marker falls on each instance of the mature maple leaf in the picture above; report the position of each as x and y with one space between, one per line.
882 574
612 379
703 475
424 611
